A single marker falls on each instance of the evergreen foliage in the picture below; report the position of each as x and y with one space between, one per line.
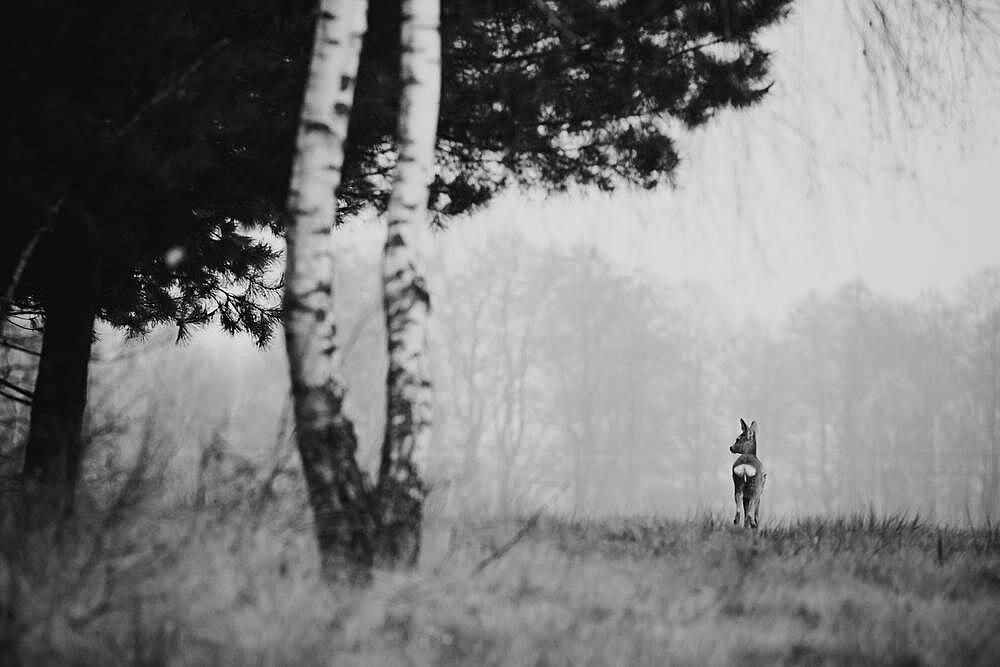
583 93
164 127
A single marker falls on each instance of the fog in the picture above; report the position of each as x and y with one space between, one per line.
571 383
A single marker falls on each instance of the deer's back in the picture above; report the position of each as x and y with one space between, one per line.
744 481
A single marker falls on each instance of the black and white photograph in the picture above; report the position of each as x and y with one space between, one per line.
520 333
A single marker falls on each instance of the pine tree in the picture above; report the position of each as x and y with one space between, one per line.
143 137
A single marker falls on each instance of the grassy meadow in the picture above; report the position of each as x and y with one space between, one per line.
229 576
204 555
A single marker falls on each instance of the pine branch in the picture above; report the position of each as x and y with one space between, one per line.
548 53
696 47
163 93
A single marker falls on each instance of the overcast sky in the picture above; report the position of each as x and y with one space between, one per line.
824 183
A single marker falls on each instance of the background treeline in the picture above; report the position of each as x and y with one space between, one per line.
562 371
566 380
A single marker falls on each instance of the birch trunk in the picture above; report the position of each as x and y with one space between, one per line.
338 490
401 492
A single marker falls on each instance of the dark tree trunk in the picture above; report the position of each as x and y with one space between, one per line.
55 439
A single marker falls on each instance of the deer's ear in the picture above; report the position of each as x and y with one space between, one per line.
753 427
743 424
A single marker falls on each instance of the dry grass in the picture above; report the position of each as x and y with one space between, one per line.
229 577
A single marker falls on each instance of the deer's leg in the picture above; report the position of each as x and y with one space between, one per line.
747 519
756 510
739 506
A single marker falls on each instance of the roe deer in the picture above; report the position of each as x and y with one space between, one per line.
748 476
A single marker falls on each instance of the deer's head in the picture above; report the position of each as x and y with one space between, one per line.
746 442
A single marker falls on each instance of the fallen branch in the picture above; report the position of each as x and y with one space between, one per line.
502 550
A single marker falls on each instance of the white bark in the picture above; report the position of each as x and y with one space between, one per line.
315 178
326 442
407 304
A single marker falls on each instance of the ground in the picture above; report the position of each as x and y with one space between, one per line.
208 583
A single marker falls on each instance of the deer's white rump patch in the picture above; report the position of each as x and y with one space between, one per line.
745 470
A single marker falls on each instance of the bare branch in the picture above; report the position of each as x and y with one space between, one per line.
25 257
13 387
16 399
14 346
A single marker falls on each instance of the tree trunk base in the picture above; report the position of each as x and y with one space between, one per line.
398 540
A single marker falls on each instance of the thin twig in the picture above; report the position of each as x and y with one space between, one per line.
357 330
16 399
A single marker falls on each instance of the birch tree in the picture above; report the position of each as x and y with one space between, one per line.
338 491
409 396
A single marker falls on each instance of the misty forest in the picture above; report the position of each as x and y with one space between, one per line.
408 332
